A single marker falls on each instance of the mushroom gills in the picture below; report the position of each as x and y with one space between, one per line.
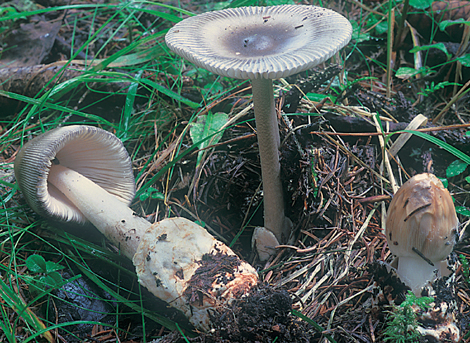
106 212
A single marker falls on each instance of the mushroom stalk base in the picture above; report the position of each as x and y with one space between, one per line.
415 272
106 212
267 130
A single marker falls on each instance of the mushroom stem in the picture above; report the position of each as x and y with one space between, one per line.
268 142
106 212
415 272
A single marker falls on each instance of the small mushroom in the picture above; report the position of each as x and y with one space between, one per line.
261 44
80 173
421 229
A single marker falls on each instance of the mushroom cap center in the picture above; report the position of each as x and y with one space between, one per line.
255 41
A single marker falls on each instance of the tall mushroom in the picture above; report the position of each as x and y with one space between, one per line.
421 229
262 44
80 173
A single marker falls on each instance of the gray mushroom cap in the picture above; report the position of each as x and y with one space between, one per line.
93 152
260 42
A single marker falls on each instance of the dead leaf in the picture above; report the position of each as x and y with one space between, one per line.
30 44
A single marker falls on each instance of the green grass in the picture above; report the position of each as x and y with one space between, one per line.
133 62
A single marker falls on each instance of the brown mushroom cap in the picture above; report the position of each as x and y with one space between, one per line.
260 42
422 216
93 152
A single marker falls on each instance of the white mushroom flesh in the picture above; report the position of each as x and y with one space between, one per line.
171 256
171 262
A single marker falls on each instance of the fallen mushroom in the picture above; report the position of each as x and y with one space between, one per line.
421 229
261 44
80 173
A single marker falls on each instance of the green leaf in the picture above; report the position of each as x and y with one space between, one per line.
381 28
467 178
200 223
446 23
36 264
405 72
214 88
445 182
421 4
456 168
440 85
439 46
462 210
465 60
152 193
319 97
357 34
35 287
206 131
52 267
52 279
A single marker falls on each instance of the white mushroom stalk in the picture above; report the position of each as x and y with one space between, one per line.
80 173
107 213
421 229
261 44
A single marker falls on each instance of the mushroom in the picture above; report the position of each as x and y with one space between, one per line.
262 44
421 229
79 173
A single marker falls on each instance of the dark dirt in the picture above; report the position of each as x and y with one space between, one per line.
263 316
218 266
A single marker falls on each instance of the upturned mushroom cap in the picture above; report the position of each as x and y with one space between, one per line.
422 218
260 42
180 262
93 152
